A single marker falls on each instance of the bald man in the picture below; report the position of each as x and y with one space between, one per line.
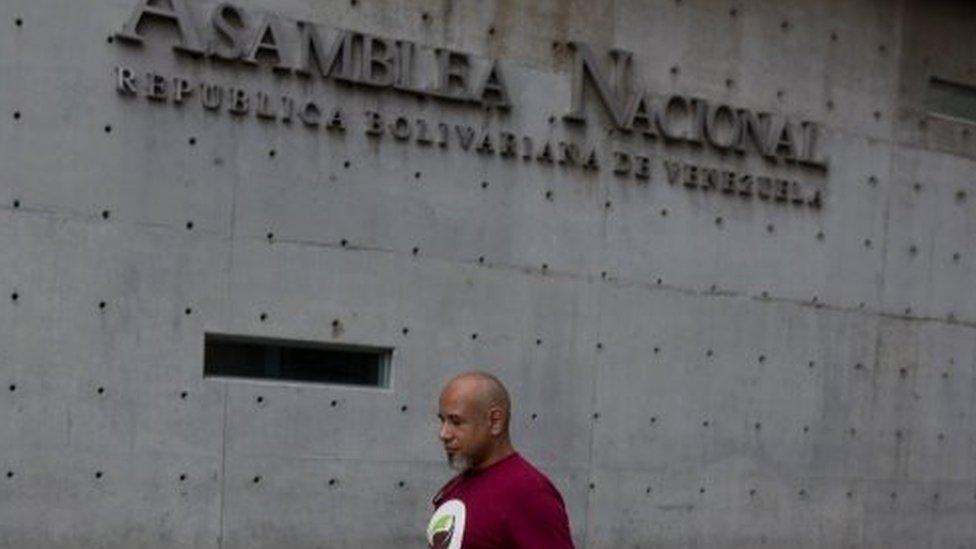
498 499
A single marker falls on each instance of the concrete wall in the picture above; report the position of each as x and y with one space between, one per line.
692 369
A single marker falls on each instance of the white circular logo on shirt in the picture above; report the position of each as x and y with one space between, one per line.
446 527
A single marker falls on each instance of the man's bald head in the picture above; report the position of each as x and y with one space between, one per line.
484 389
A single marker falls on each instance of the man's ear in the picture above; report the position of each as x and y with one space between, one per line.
496 419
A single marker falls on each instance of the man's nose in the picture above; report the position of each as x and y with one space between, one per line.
444 433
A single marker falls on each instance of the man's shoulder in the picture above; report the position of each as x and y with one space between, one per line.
526 477
514 477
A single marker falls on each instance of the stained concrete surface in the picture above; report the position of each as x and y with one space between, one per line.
789 377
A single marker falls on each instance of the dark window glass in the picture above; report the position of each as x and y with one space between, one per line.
952 99
259 358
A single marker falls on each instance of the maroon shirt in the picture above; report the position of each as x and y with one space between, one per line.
510 504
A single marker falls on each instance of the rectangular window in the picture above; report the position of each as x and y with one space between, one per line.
287 360
951 100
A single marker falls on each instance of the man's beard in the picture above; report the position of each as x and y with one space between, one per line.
458 462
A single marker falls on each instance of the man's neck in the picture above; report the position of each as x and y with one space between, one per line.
501 452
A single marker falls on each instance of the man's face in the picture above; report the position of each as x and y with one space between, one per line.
465 426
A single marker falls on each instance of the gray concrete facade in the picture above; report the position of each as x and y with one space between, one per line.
693 365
